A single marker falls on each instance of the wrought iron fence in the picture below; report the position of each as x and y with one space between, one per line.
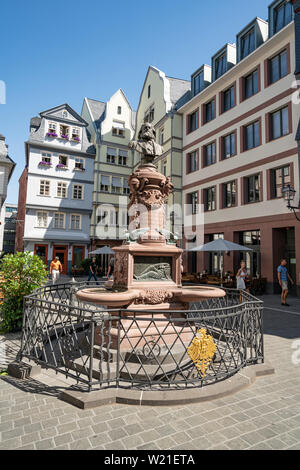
102 348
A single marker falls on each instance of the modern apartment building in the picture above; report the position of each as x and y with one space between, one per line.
111 126
55 192
160 97
240 150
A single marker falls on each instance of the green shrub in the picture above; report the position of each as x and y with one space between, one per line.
21 274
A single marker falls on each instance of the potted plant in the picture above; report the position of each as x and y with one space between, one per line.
43 163
51 134
61 166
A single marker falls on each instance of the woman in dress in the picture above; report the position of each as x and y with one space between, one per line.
241 277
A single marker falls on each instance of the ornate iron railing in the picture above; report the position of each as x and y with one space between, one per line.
134 349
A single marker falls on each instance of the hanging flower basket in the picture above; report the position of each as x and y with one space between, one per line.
51 134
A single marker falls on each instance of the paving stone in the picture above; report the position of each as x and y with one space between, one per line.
48 433
81 433
81 444
116 445
50 423
101 427
30 438
45 444
99 440
16 432
116 434
131 442
63 439
200 443
11 444
29 428
150 435
116 423
181 437
237 444
148 446
65 428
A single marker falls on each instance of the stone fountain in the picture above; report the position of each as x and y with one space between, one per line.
148 265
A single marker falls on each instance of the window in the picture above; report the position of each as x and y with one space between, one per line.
75 134
64 132
198 83
228 99
280 178
229 194
193 201
229 146
278 67
123 157
252 189
161 135
149 115
280 123
209 154
126 189
65 114
220 66
192 161
79 163
251 84
116 185
193 121
75 222
164 168
101 217
119 110
283 14
104 183
250 238
46 157
149 91
209 199
44 188
118 129
111 155
252 138
59 220
78 191
52 127
248 43
63 160
209 111
42 219
62 190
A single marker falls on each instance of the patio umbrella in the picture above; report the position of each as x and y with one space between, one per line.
221 246
105 250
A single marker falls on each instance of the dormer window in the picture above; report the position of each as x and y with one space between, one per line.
75 134
51 130
198 83
221 63
283 15
248 43
64 132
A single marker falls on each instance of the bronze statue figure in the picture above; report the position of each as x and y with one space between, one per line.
146 144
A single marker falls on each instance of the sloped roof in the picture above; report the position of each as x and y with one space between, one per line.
178 88
97 109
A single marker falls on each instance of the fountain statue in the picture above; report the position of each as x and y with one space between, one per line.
147 267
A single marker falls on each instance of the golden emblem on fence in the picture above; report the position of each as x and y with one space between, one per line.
202 350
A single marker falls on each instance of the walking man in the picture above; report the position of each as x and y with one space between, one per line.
93 271
55 269
283 277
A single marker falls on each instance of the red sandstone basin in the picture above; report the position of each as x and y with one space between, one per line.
101 296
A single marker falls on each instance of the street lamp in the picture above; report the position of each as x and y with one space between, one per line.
289 195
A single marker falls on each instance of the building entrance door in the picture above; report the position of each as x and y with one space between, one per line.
62 252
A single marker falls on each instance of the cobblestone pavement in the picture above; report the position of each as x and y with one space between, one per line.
264 416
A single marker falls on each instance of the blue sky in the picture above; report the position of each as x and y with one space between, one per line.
51 55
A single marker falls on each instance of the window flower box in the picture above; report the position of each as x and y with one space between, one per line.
45 164
61 166
64 136
51 134
76 139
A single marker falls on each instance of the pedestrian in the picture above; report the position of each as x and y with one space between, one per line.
283 277
55 269
93 271
111 266
241 277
